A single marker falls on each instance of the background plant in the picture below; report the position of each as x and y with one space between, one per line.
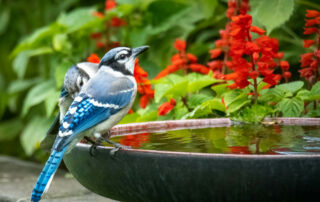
61 34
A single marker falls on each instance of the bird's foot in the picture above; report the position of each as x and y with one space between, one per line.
94 145
117 146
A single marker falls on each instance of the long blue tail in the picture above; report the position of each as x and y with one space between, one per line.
47 174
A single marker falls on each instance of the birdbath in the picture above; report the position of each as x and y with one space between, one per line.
205 160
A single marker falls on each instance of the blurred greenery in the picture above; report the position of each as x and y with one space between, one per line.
40 40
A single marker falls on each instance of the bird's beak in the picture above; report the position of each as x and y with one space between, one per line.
137 51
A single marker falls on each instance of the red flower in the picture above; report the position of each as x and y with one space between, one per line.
110 4
280 55
180 45
191 58
144 86
306 59
94 58
312 13
284 65
166 107
117 22
215 65
215 53
286 75
254 74
308 42
257 30
310 30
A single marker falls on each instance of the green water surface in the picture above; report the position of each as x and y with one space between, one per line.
238 139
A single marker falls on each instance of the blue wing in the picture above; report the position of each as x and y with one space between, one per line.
89 109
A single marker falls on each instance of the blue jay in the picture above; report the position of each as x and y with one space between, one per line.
74 79
101 103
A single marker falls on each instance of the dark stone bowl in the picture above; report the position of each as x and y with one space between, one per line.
142 175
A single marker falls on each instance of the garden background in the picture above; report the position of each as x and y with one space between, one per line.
209 58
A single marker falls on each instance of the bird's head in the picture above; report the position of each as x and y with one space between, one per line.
122 58
78 75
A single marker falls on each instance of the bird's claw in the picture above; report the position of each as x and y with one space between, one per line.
118 147
93 150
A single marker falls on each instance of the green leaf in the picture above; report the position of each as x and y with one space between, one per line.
34 133
220 89
178 89
272 13
60 43
21 85
10 129
78 19
238 104
171 85
291 87
37 94
151 116
206 109
199 81
51 102
195 100
254 114
180 110
315 91
130 118
304 95
230 96
21 61
161 11
274 94
35 40
290 107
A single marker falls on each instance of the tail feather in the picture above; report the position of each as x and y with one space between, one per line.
47 174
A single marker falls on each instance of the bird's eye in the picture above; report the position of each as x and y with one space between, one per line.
122 56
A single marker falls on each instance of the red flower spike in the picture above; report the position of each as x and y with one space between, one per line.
312 13
180 45
215 53
308 42
306 59
311 22
257 30
284 65
110 4
310 30
166 107
94 58
144 100
192 58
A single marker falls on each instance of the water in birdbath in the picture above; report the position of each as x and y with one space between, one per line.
237 139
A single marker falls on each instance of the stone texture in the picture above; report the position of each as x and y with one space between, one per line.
18 177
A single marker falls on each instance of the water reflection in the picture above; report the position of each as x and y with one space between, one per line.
238 139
